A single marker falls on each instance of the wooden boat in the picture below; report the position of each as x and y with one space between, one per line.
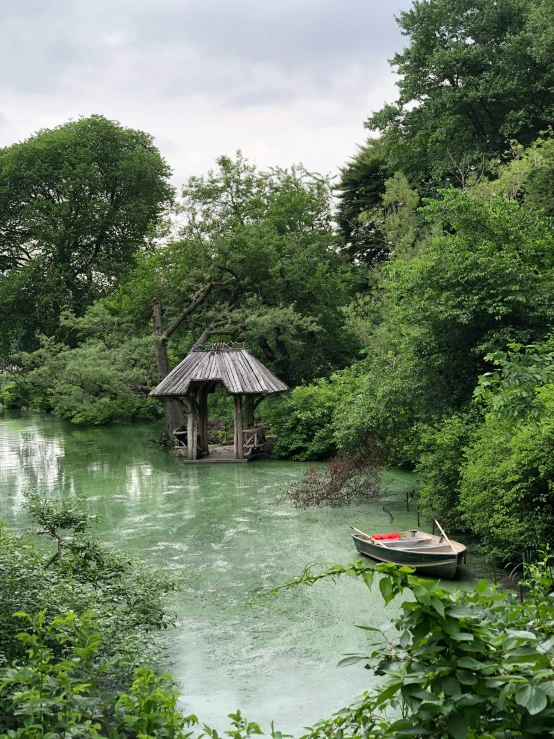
429 555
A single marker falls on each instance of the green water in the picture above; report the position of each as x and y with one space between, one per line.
224 525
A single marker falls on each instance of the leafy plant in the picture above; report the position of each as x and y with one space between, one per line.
463 663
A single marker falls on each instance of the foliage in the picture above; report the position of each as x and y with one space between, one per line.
440 461
463 663
98 382
486 281
362 183
473 77
77 203
304 420
510 392
126 598
264 243
57 688
507 484
10 396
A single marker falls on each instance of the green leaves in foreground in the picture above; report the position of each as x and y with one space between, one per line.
464 664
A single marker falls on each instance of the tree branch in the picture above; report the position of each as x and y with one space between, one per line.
213 328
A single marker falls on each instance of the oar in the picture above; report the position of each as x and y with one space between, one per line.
360 532
445 536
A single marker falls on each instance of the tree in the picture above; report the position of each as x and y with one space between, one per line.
77 203
256 262
486 281
473 77
362 183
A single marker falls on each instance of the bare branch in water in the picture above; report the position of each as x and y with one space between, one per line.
353 476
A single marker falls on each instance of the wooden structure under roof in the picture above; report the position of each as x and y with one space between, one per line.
243 376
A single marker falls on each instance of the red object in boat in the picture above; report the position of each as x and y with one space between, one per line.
378 537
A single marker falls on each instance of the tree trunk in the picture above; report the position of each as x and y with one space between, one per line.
172 407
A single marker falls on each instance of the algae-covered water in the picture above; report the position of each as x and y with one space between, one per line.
227 529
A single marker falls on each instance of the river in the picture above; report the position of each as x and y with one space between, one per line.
226 527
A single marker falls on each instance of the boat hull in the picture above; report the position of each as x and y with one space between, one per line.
442 565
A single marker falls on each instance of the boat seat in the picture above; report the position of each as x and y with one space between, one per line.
403 543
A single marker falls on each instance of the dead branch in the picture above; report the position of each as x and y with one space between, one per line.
353 476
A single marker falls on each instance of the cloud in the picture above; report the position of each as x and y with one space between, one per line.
287 78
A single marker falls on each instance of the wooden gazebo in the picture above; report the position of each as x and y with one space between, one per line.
244 377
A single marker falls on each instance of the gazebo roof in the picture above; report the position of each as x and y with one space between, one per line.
238 370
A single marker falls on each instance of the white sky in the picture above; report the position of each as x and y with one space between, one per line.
285 81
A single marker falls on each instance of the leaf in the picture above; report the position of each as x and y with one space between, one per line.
438 605
461 612
548 644
481 586
457 726
465 677
532 698
470 663
422 595
451 626
527 635
405 639
367 577
451 686
385 586
352 659
548 688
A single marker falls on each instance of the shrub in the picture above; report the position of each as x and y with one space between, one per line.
440 464
461 663
126 599
507 486
56 689
304 421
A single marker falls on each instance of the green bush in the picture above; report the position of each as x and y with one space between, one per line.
462 664
303 422
56 689
507 485
94 384
126 599
440 464
10 395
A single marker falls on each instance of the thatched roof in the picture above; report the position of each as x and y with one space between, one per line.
238 370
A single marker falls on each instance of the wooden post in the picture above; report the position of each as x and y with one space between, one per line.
203 417
191 428
249 410
239 441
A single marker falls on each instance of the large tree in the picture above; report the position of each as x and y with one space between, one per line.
256 261
475 75
76 204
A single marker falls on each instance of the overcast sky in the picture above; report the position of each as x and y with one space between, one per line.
285 80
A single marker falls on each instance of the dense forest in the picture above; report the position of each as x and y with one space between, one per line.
409 300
